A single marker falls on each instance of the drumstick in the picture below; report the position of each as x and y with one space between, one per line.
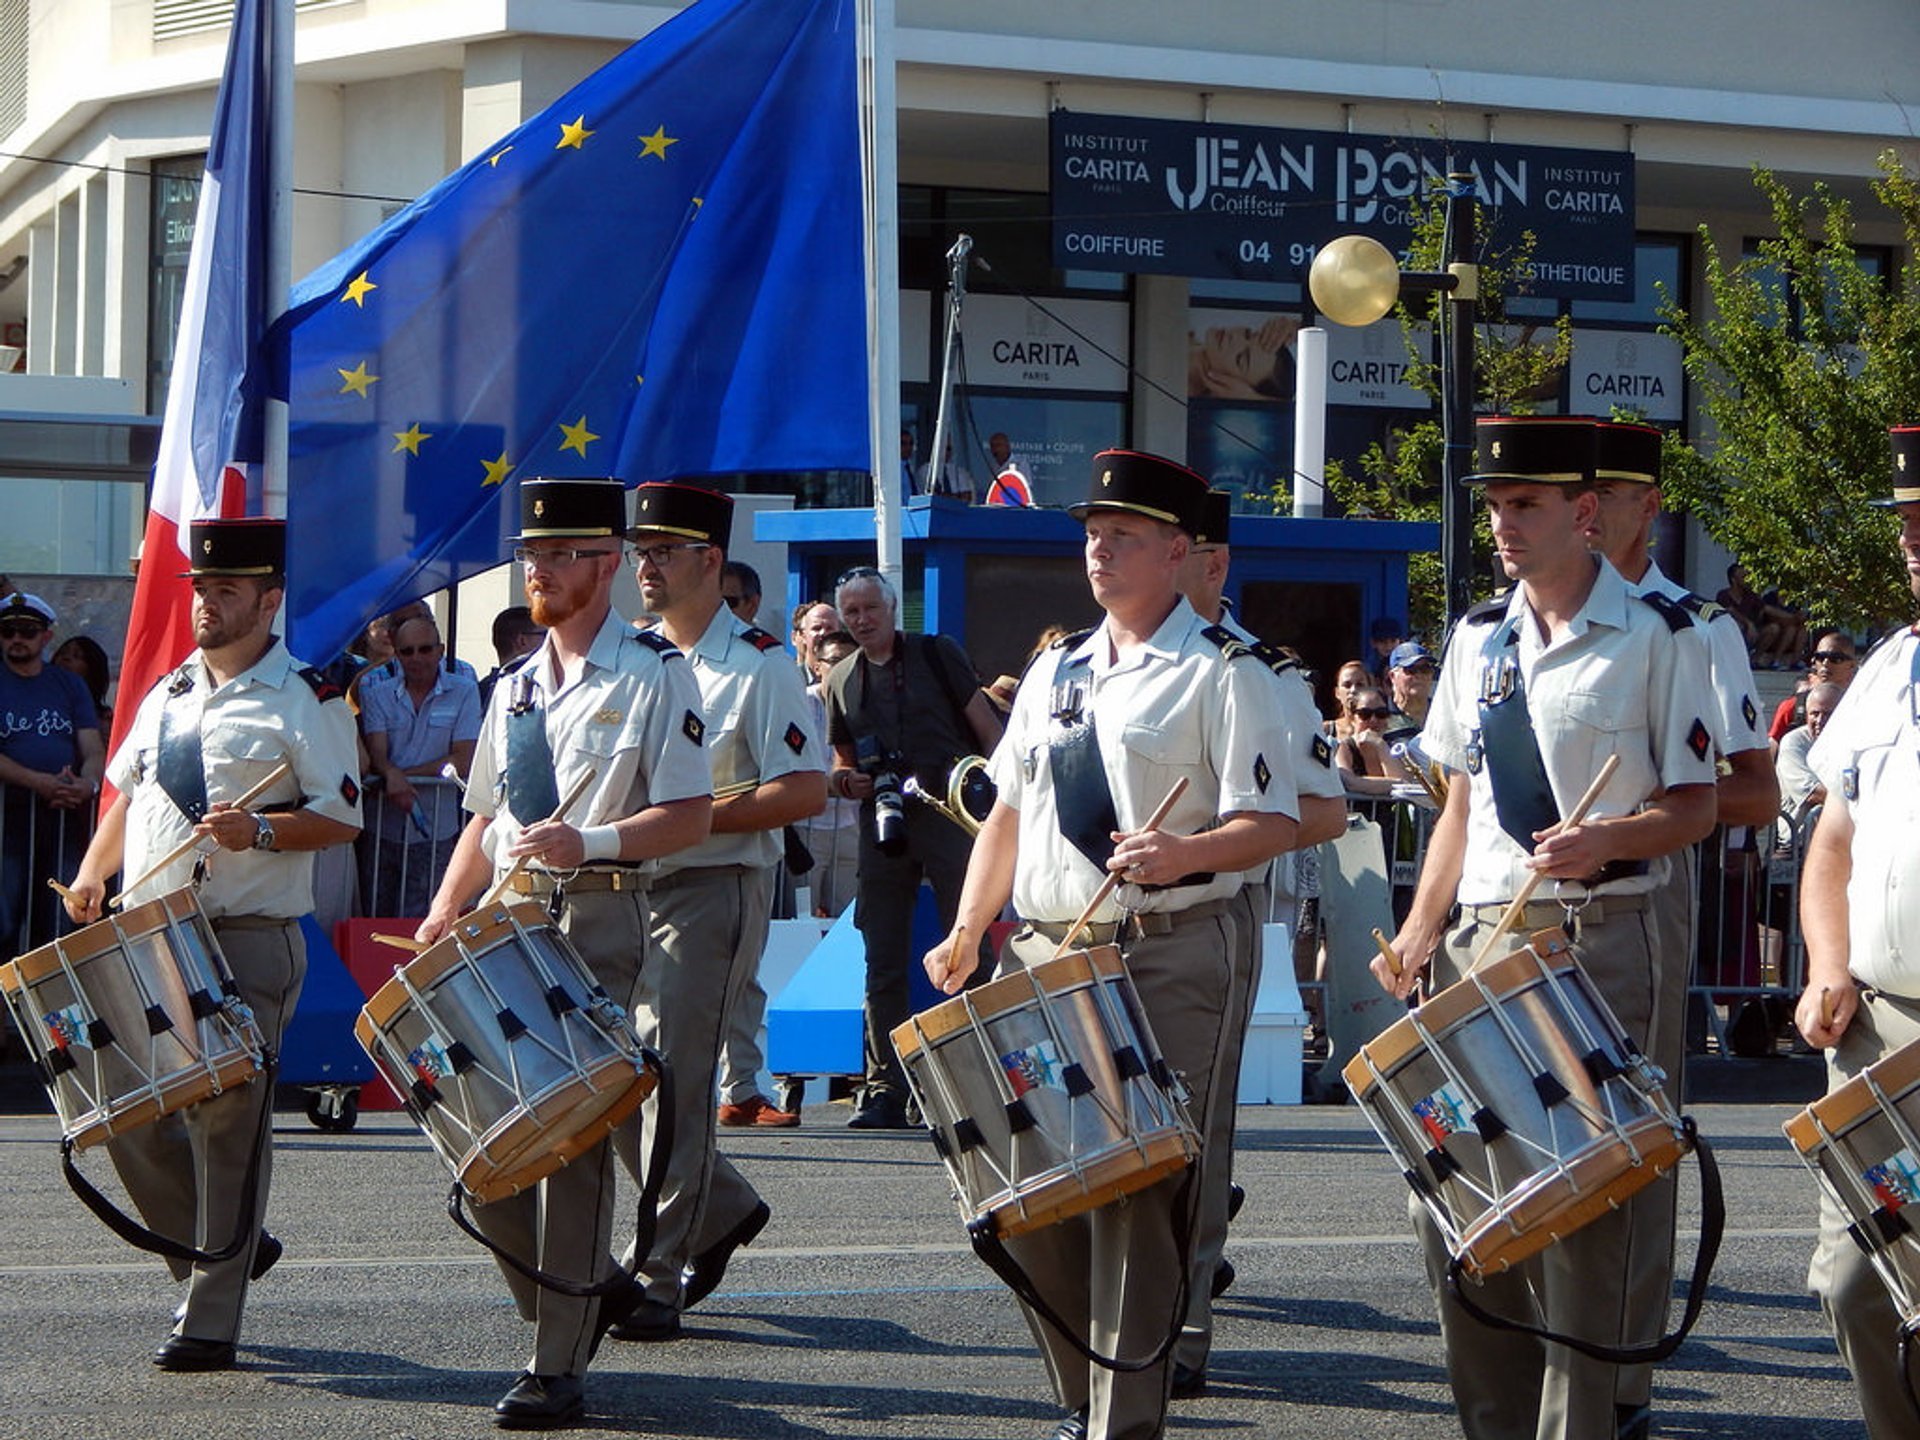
62 891
954 950
1826 1007
1113 876
192 842
1387 953
1517 906
500 885
402 942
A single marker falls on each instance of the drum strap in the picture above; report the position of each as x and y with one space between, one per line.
1082 800
1522 797
1713 1224
177 763
644 1224
532 792
140 1237
993 1252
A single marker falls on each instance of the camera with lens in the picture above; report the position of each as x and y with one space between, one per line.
881 766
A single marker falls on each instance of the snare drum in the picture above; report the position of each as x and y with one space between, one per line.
1518 1108
1861 1143
505 1050
1046 1092
132 1018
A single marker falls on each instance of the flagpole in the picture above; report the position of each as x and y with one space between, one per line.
273 484
879 152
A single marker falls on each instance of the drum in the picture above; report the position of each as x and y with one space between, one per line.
1861 1144
1517 1107
132 1018
505 1050
1046 1093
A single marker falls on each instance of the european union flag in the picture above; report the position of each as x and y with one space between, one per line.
659 275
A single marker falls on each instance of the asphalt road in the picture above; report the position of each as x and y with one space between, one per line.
859 1312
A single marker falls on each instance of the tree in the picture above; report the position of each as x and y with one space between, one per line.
1400 478
1801 363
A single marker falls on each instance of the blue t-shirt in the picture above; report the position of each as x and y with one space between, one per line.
39 716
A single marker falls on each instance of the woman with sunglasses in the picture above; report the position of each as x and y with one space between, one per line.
1366 765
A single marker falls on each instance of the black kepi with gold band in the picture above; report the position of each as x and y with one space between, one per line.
570 509
1216 518
690 512
1533 450
1906 467
1147 485
254 546
1626 450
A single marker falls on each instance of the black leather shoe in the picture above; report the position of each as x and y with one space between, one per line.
884 1113
1223 1277
184 1352
615 1309
540 1402
267 1251
1236 1197
1074 1427
1633 1422
648 1322
1189 1381
705 1270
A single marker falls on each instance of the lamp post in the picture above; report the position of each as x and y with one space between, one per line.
1355 281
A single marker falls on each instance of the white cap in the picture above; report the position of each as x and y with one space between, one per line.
20 601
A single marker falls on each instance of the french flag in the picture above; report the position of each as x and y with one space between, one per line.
227 359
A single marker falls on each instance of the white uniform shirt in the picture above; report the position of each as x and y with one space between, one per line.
1796 777
1619 682
448 712
261 717
758 728
1736 721
631 720
1869 754
1176 706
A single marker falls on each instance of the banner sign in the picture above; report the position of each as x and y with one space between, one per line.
1243 202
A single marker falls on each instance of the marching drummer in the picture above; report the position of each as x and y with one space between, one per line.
1537 689
1860 912
712 904
1107 721
589 767
207 733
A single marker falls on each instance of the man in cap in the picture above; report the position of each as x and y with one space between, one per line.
1322 816
1410 675
1538 689
606 719
712 902
1859 915
205 734
1105 722
51 760
1627 487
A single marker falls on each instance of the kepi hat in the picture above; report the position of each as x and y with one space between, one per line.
254 546
1906 467
692 512
1625 450
554 509
1532 450
1149 485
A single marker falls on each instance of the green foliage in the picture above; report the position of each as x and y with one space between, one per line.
1802 363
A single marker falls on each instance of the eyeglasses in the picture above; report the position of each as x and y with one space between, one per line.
1367 712
1419 667
21 629
658 555
558 559
416 650
857 572
1832 657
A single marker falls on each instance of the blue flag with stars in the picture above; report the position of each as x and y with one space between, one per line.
660 275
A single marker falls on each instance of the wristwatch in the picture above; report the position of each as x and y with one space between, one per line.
262 832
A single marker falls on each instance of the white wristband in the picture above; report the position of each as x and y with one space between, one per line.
600 842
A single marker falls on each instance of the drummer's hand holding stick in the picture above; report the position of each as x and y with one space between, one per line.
1138 858
229 825
983 895
553 842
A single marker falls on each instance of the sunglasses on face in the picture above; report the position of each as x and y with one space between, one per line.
1367 712
22 629
417 650
1832 657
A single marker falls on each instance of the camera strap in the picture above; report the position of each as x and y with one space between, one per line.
1082 800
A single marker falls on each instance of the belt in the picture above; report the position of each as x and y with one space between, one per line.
1149 922
1593 911
578 882
697 872
252 922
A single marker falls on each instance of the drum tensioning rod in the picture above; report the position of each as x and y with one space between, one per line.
1529 1057
422 1004
1564 993
553 981
1004 1088
1107 999
952 1103
1056 1031
1410 1162
1868 1202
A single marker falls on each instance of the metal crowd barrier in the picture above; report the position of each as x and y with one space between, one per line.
392 870
37 843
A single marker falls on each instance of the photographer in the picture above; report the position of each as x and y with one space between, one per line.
904 705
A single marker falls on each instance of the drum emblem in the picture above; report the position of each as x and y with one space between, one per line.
429 1061
1895 1181
1441 1114
67 1027
1032 1067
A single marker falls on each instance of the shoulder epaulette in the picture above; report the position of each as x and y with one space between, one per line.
1486 612
1669 610
323 688
1273 657
1230 644
1705 609
1078 637
657 643
760 639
